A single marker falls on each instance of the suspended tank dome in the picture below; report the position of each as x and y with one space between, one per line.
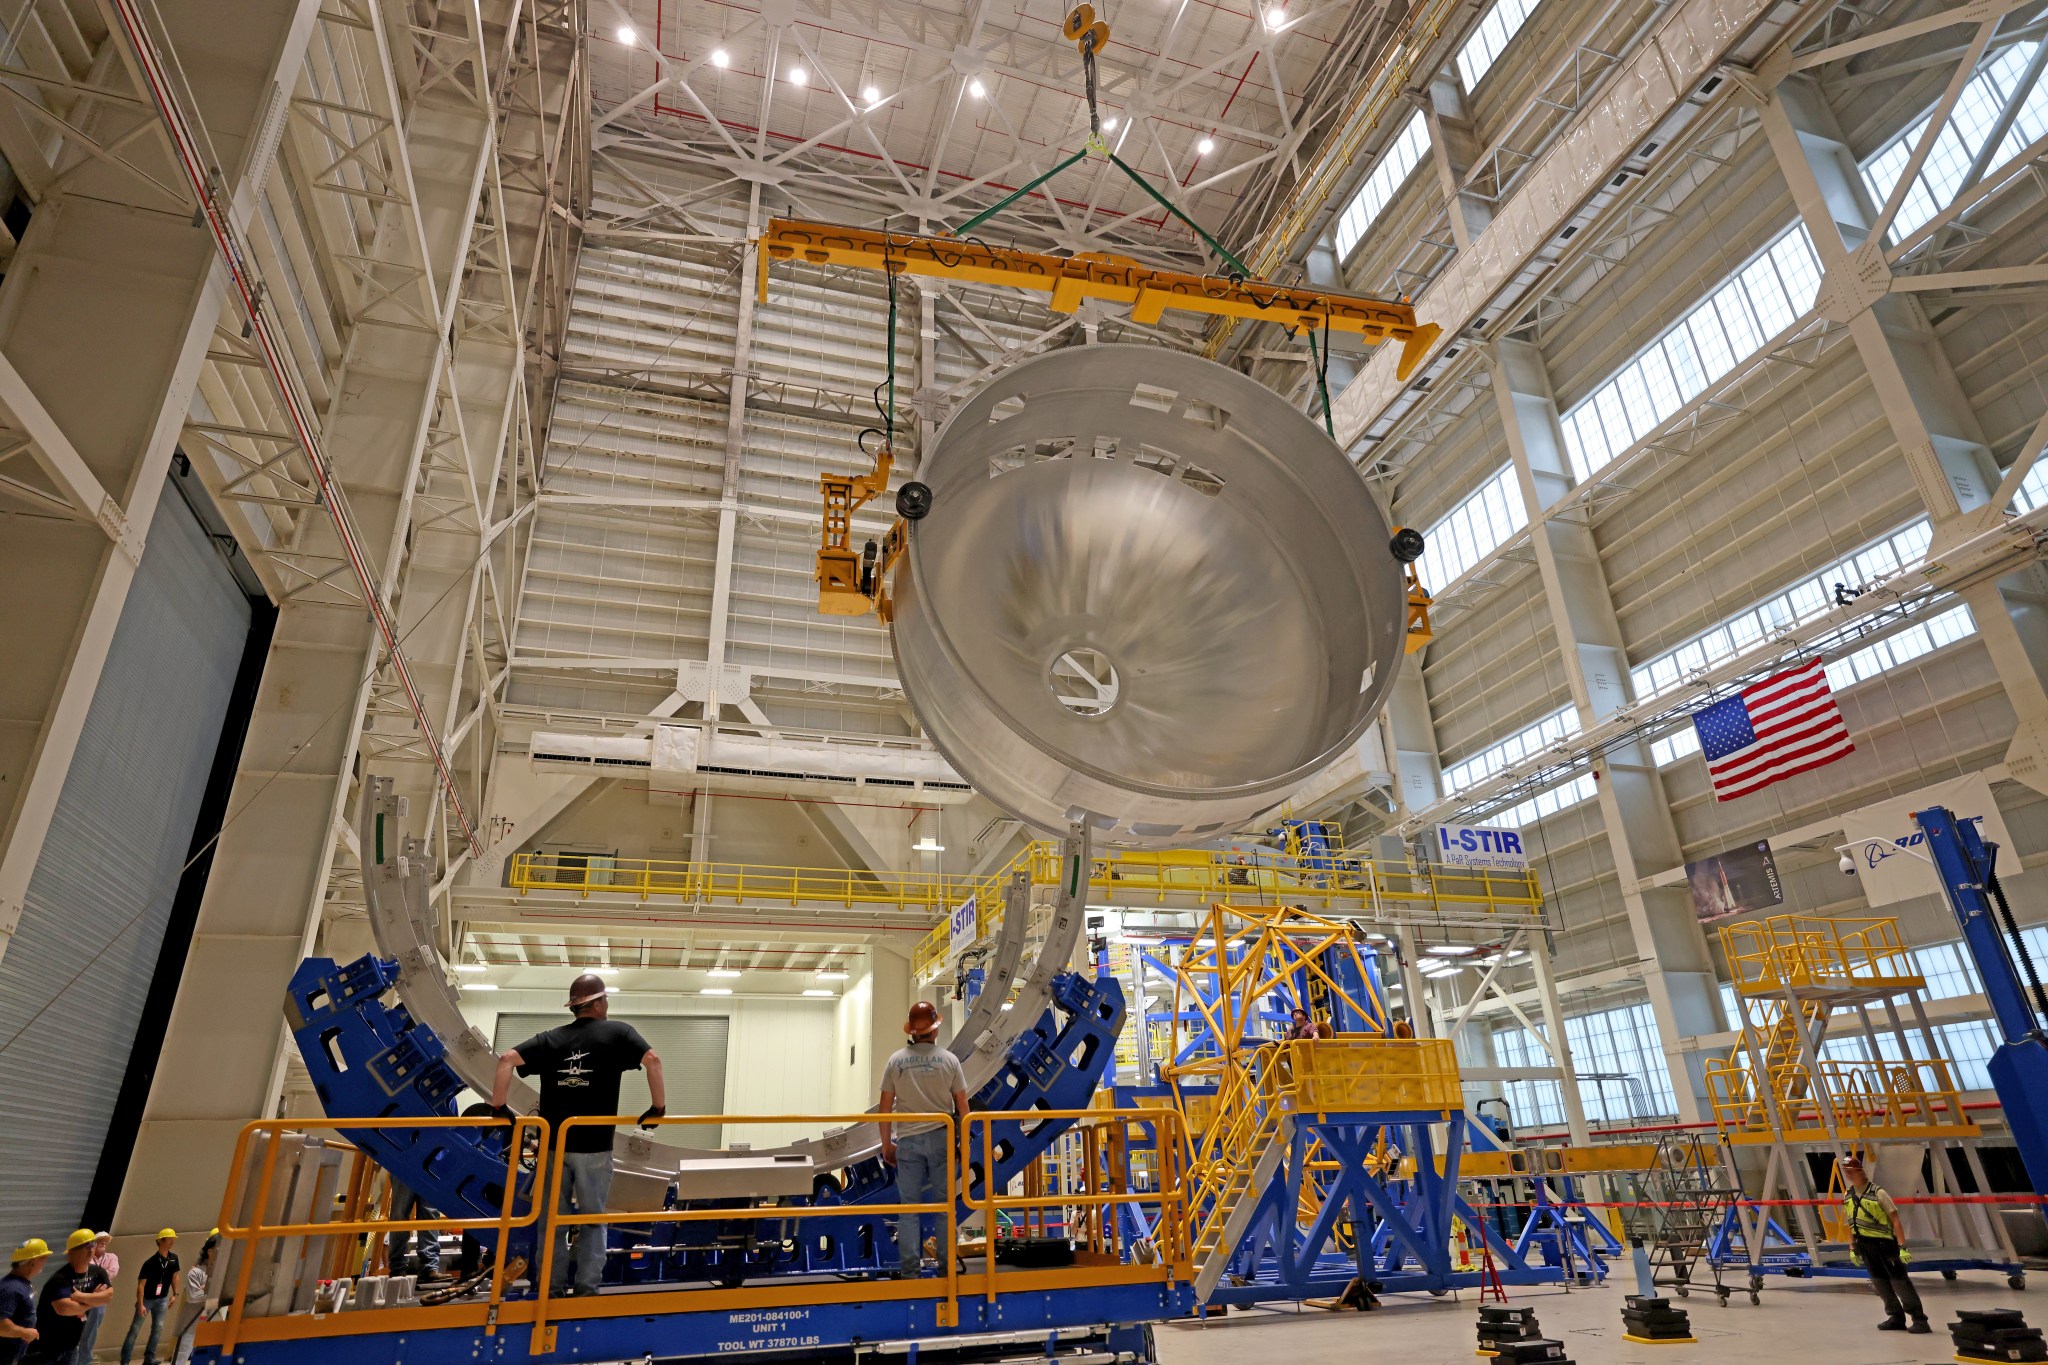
1148 593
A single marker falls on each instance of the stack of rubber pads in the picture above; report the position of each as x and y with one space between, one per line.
1511 1337
1651 1321
1998 1334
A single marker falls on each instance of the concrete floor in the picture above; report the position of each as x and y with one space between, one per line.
1813 1322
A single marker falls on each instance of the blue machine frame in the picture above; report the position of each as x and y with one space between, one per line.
371 1060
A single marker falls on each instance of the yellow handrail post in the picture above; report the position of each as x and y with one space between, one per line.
547 1205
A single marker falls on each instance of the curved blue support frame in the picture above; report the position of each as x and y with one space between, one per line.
369 1059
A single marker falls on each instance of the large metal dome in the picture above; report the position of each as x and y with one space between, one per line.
1148 592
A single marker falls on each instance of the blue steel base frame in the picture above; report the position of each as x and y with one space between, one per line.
370 1060
1398 1231
797 1332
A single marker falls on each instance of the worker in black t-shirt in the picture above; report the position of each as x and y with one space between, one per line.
155 1283
579 1065
76 1289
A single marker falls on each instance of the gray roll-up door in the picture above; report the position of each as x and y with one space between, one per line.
74 979
692 1051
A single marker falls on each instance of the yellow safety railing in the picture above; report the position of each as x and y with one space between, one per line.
1133 877
1084 1192
1801 952
1368 1075
1123 876
228 1331
1859 1100
1081 1202
948 1311
739 882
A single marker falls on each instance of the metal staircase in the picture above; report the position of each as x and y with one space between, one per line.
1688 1194
1241 1172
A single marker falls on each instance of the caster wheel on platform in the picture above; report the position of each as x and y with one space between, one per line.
1948 1275
1438 1293
1756 1282
1683 1292
1754 1300
2016 1281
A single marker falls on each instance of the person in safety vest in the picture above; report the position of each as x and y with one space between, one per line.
1878 1243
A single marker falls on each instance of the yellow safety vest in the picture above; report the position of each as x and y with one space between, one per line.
1867 1216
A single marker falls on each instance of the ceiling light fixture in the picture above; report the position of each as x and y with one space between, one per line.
470 967
626 34
826 993
927 845
723 971
1451 950
719 58
1276 17
478 986
799 76
976 88
716 990
1206 146
833 974
1109 124
870 95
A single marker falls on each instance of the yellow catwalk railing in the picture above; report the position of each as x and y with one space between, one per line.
1123 877
1113 1253
1801 952
1861 1101
1791 973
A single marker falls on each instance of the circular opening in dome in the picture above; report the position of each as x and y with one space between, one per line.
1084 681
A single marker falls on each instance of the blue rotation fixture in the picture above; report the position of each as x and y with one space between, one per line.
370 1060
2019 1068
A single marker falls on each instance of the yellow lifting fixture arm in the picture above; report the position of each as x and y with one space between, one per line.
1070 279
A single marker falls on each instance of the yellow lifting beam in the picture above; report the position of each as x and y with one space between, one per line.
1070 279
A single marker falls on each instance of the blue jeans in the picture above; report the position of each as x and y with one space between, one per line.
154 1309
87 1339
586 1186
920 1179
398 1245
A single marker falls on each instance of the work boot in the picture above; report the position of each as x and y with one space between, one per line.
1919 1327
1894 1323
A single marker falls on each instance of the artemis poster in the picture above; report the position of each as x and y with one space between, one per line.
1735 880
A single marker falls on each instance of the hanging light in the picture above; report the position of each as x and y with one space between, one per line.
626 34
720 58
869 95
799 76
1109 124
976 88
1206 146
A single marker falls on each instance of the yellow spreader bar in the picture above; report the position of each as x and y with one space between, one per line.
1070 279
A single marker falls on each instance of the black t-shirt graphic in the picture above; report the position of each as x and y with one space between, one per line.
159 1274
579 1065
59 1334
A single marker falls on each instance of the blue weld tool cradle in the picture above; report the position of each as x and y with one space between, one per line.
369 1059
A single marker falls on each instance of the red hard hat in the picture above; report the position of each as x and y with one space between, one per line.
924 1018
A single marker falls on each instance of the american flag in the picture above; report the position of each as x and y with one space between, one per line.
1786 724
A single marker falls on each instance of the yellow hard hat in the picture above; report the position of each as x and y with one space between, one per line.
80 1238
167 1235
30 1250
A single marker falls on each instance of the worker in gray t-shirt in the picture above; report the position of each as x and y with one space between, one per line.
921 1078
